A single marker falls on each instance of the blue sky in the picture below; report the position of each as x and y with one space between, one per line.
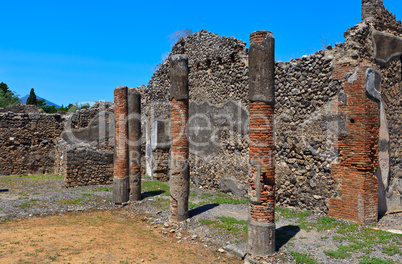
75 51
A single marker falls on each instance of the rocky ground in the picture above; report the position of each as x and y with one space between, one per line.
217 221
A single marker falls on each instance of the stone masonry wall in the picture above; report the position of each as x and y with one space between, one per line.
217 75
218 78
308 120
84 151
81 164
27 141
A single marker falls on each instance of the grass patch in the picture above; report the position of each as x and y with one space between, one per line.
326 223
64 202
35 177
102 189
303 258
361 239
207 222
373 260
161 203
28 204
391 250
338 254
228 224
155 186
194 205
231 220
228 200
291 213
205 195
219 198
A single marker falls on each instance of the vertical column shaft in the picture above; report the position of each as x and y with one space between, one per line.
179 152
261 226
121 158
134 142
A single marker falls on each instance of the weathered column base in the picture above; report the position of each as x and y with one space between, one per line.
135 190
120 190
261 238
179 193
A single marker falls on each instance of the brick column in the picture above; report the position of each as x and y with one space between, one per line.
358 158
261 226
179 169
121 162
134 137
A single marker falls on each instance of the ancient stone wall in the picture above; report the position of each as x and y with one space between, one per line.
78 146
82 164
305 127
84 151
218 124
217 77
21 108
27 141
308 118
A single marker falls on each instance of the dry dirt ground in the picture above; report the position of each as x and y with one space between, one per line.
117 236
41 221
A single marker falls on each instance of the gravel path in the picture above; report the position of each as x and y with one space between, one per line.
298 234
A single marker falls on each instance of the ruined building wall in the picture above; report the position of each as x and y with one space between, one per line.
311 113
84 151
376 18
305 127
217 75
78 146
27 142
218 124
82 164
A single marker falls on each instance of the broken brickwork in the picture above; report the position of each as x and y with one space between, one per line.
358 148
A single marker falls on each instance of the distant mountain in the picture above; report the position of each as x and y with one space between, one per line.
24 101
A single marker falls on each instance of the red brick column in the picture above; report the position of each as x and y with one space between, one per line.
134 136
358 159
261 226
179 151
121 163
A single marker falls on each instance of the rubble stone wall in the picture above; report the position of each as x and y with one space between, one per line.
27 141
84 152
218 83
308 119
82 164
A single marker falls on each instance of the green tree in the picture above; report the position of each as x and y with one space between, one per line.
4 87
51 109
7 97
32 100
41 102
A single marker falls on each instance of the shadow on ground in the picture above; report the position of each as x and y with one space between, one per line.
151 193
284 234
201 209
